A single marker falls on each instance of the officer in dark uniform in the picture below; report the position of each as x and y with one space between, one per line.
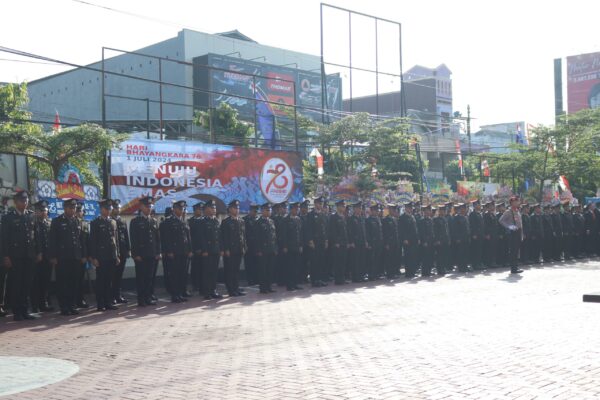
233 242
409 235
19 253
266 248
578 232
250 255
490 232
279 211
450 212
441 241
145 250
558 233
176 245
461 234
549 235
317 238
338 241
40 299
374 233
305 256
502 238
536 234
566 219
210 243
104 252
427 239
124 253
68 252
512 222
166 261
357 240
293 242
525 253
80 301
476 224
195 233
391 241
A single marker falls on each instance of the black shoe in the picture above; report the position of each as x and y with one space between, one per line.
153 297
240 293
35 310
83 304
207 297
264 291
290 288
2 312
516 271
113 301
216 295
73 311
122 300
46 308
112 307
141 304
298 287
272 290
187 294
100 309
65 312
150 302
175 299
18 317
183 299
29 316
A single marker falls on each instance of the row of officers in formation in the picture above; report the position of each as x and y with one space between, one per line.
288 244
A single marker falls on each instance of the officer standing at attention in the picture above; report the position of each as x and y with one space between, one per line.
316 235
512 222
67 251
441 234
124 253
490 232
233 242
409 235
250 256
196 236
145 250
525 253
104 252
502 237
536 234
427 238
293 242
461 233
266 248
175 244
549 235
558 245
374 233
80 301
210 242
19 253
391 241
476 224
578 231
566 218
40 299
357 238
338 240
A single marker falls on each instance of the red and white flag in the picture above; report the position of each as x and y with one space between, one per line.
56 126
485 168
564 183
460 161
317 154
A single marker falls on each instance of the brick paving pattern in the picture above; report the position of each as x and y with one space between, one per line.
473 336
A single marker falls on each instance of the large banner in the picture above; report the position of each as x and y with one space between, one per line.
55 192
583 81
174 170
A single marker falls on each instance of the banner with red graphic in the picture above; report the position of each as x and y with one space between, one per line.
174 170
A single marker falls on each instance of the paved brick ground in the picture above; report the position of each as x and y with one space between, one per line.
488 335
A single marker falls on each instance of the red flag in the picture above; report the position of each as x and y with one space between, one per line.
460 161
564 183
56 126
485 167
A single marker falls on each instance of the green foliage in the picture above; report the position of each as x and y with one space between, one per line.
227 129
47 152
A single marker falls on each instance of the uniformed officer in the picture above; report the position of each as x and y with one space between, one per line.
166 261
409 235
305 256
19 253
124 253
357 238
250 268
461 235
525 252
549 235
68 252
502 238
375 243
476 224
145 250
536 233
450 213
316 223
391 241
104 252
427 239
441 241
278 214
175 244
578 231
80 301
558 245
293 243
512 222
233 242
196 237
338 241
566 219
591 229
40 299
3 273
210 243
266 248
490 235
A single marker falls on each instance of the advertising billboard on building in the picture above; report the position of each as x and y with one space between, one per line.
174 170
583 81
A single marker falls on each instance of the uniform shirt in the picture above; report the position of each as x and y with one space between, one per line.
338 234
490 225
196 233
536 230
123 237
578 224
389 229
42 232
408 230
591 225
441 231
374 231
175 236
145 237
18 234
548 226
67 239
557 224
104 242
210 235
460 229
266 236
279 229
425 228
356 230
476 223
526 225
510 218
292 230
566 220
317 227
233 235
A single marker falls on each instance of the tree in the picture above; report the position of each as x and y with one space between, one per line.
227 128
81 145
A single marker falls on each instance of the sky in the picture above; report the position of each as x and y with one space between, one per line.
500 52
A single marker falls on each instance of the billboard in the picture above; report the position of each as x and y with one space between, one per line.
583 81
55 192
175 170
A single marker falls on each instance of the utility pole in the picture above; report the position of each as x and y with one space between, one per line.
469 126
